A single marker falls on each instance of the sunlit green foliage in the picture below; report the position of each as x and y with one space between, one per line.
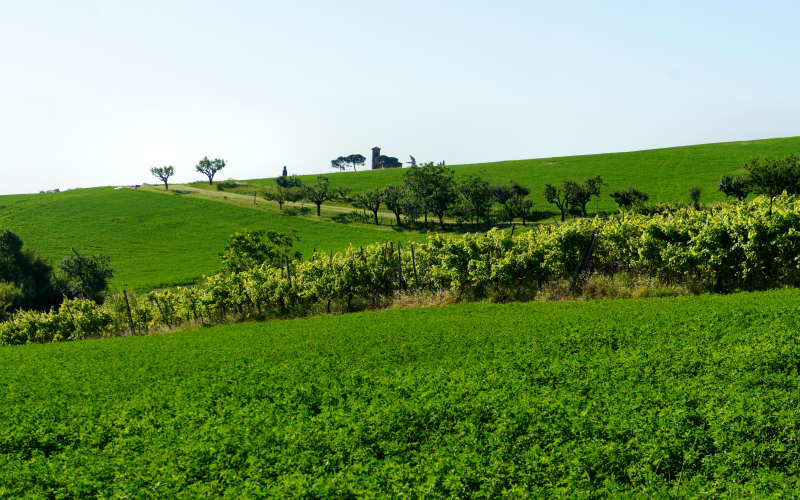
738 246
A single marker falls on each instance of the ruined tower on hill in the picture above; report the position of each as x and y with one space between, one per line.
376 155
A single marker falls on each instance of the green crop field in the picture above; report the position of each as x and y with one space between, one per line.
665 174
157 239
652 397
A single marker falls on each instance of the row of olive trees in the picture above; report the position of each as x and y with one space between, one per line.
431 190
427 191
207 167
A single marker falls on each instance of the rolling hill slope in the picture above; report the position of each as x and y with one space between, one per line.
159 239
665 174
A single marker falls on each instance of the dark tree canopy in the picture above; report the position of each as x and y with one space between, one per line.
431 189
251 249
281 194
578 195
371 200
394 197
27 272
209 168
288 181
28 282
85 277
694 196
389 162
628 198
519 206
321 192
556 196
475 197
734 187
512 197
339 163
773 177
352 161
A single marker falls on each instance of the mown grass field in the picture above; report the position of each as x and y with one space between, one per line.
651 397
664 174
157 239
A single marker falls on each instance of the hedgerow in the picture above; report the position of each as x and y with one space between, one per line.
731 247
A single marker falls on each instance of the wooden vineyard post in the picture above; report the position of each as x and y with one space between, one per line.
584 263
288 278
130 316
414 266
400 280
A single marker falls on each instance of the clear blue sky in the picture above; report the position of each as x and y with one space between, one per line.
96 93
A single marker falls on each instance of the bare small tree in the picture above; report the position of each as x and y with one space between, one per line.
321 192
163 174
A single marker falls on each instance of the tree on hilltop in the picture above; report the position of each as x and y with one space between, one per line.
163 173
343 162
209 168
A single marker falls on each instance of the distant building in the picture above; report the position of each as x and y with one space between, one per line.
380 161
376 158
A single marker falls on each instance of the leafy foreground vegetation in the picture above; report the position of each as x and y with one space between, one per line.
691 395
154 239
737 246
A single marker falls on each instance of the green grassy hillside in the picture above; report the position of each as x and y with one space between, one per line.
157 239
658 397
665 174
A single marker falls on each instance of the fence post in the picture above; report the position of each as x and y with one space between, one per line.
128 307
586 258
414 265
400 279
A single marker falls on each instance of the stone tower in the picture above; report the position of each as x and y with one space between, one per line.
376 153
